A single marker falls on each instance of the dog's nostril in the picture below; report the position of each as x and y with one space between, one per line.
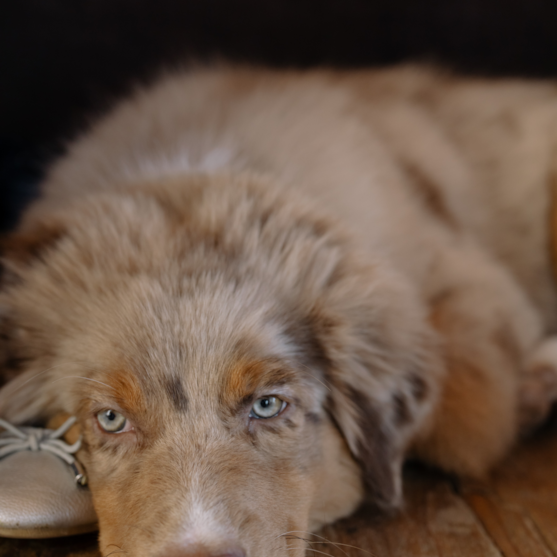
201 551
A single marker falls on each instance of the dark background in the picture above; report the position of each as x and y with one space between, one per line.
63 61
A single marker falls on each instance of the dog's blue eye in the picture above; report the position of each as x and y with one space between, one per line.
111 421
267 407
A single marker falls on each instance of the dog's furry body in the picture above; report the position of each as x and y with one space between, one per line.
370 247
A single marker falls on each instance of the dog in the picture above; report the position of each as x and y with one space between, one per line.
261 291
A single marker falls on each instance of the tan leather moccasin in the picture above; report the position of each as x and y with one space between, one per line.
43 491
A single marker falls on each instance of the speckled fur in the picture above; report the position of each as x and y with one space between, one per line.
371 247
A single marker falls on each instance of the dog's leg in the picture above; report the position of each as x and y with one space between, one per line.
488 329
538 386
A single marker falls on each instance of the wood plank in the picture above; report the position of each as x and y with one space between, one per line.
456 529
436 522
518 504
510 527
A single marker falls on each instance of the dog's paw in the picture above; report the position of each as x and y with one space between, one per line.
538 386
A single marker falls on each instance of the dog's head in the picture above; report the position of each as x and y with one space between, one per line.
240 373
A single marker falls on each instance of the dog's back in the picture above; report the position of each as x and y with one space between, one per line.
367 250
399 155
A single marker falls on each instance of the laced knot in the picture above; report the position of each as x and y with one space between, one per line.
35 439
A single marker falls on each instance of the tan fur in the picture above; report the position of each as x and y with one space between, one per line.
370 247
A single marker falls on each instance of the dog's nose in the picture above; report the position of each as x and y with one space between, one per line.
201 551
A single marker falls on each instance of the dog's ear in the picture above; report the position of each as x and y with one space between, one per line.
22 393
377 353
29 243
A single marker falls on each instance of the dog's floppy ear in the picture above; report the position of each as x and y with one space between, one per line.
17 251
378 359
22 396
25 245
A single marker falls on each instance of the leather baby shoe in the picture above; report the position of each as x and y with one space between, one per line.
43 491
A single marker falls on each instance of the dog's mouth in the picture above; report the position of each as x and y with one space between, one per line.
295 545
204 532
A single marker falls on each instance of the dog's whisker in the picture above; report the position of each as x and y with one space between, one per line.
289 536
310 542
326 541
299 532
318 551
294 549
324 383
346 545
34 377
292 537
85 378
310 549
293 532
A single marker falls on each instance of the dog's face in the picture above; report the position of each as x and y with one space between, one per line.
239 378
211 438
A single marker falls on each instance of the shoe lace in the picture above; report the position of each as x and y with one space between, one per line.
35 439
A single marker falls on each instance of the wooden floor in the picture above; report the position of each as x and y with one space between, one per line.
514 514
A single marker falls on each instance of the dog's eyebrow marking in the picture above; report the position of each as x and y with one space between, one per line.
125 389
175 391
245 376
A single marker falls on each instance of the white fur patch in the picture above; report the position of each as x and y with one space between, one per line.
180 162
202 526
